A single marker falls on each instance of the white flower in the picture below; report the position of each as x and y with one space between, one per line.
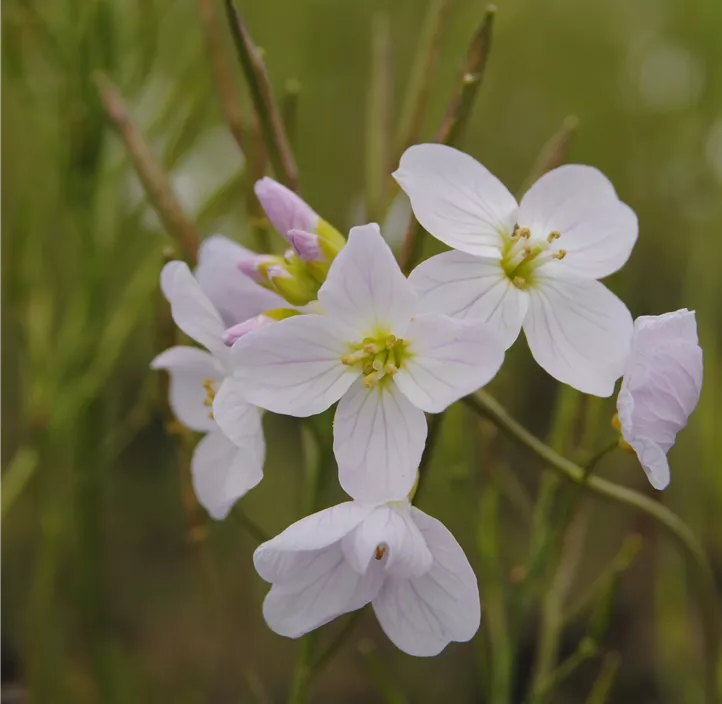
661 386
386 365
228 461
407 564
533 265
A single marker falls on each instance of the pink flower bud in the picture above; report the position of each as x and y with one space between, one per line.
284 208
251 267
306 245
239 330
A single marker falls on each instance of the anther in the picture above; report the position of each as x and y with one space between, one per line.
553 236
371 348
519 281
528 252
560 254
391 369
380 552
379 361
353 357
391 341
524 232
370 380
368 368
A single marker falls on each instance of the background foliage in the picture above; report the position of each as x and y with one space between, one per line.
116 587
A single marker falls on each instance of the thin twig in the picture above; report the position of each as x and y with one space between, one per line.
151 175
553 153
677 529
227 91
269 116
249 525
455 119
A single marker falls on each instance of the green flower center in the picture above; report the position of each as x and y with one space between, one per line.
378 357
522 255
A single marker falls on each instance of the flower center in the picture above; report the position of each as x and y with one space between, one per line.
522 254
210 395
380 552
378 357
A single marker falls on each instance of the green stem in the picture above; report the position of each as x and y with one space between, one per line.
485 405
325 658
269 115
586 650
432 437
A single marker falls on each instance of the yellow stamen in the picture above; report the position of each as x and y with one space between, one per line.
560 254
553 236
519 281
524 232
380 551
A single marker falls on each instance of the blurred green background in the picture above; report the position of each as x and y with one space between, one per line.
114 588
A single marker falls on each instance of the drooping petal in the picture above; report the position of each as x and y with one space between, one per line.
423 615
661 387
238 419
596 229
279 559
389 529
323 590
468 287
578 330
223 472
378 439
448 359
293 367
235 296
456 199
365 290
189 369
191 309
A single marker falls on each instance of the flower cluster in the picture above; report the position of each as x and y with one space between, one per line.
335 320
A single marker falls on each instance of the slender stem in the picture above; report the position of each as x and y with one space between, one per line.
227 92
432 437
269 116
586 650
681 534
455 119
593 461
249 525
327 655
553 153
605 680
149 171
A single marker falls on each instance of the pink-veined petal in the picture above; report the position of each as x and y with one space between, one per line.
235 296
661 387
191 309
447 359
279 559
468 287
223 472
189 368
238 419
294 366
365 291
423 615
457 199
597 231
320 591
578 330
389 535
378 439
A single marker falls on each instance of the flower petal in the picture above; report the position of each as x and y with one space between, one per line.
238 419
192 312
390 536
468 287
661 387
293 367
448 359
223 472
456 199
236 297
321 591
423 615
378 439
189 368
365 290
597 230
279 559
578 330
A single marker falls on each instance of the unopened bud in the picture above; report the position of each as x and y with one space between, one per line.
293 281
235 332
256 268
286 210
306 245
